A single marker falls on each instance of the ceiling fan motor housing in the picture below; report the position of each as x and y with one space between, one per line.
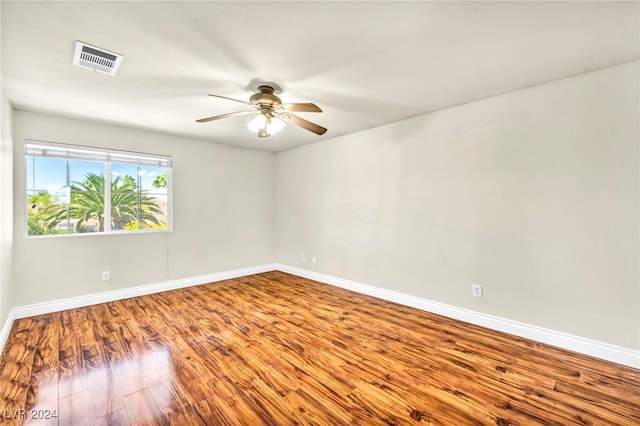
265 98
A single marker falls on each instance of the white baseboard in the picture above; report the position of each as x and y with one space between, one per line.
4 333
108 296
578 344
606 351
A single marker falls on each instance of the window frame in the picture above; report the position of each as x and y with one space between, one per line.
46 149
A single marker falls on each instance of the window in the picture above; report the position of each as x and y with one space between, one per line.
67 192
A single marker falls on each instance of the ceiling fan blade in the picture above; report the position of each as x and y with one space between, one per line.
302 107
301 122
230 99
231 114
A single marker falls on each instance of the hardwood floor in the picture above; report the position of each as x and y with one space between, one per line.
277 349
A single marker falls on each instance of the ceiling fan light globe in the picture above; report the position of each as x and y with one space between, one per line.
276 125
259 122
265 125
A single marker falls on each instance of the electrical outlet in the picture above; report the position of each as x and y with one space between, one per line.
313 259
303 257
476 290
106 276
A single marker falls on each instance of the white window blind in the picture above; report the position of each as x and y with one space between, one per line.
75 152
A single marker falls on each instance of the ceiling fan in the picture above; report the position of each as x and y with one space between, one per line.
272 113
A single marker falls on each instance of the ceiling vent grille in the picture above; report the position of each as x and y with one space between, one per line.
96 59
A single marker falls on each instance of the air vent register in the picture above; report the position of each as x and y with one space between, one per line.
96 59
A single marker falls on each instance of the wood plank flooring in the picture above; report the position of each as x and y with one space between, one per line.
275 349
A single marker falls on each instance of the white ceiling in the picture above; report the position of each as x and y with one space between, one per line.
364 63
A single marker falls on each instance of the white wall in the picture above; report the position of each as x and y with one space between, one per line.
6 207
533 194
223 216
